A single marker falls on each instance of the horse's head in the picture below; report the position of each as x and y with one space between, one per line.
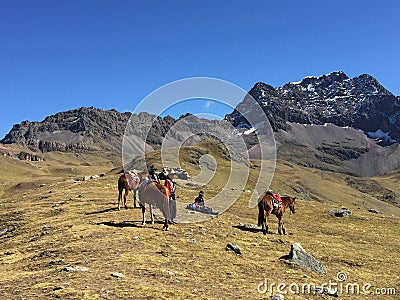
291 205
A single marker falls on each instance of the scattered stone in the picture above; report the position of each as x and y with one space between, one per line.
163 253
373 210
76 269
168 273
55 262
233 247
117 275
3 231
301 258
340 213
57 288
279 241
277 297
192 241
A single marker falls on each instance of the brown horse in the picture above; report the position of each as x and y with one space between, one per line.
154 194
128 181
266 208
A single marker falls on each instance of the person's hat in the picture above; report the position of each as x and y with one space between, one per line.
152 167
201 193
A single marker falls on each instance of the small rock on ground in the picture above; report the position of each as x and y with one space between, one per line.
233 247
117 275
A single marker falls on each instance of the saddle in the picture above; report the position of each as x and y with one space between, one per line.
276 200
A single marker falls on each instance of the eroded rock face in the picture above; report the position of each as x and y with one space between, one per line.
85 129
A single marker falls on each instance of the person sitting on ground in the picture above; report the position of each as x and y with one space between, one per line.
199 201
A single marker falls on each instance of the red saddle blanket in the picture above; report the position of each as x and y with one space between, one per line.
277 197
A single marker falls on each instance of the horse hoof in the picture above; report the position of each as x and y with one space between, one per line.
118 208
126 207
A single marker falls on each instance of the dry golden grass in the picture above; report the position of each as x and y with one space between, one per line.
74 223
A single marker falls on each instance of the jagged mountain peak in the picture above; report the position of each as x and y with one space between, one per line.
360 102
323 79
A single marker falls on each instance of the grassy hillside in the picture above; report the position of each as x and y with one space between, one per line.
45 228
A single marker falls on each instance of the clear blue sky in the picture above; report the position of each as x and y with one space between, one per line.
61 55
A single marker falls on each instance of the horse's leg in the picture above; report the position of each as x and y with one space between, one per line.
125 195
267 214
283 227
134 198
143 214
165 227
279 226
264 226
119 198
151 213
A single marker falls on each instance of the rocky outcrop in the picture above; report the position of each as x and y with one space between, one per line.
29 156
86 129
303 259
22 155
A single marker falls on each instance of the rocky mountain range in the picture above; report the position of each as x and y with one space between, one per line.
360 102
332 122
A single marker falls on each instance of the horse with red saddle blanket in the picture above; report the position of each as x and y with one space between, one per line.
274 204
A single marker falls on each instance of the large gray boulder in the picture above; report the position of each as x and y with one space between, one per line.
300 257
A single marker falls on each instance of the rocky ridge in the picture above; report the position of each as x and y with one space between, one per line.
359 102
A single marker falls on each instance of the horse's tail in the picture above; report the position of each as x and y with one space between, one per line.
261 208
120 184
